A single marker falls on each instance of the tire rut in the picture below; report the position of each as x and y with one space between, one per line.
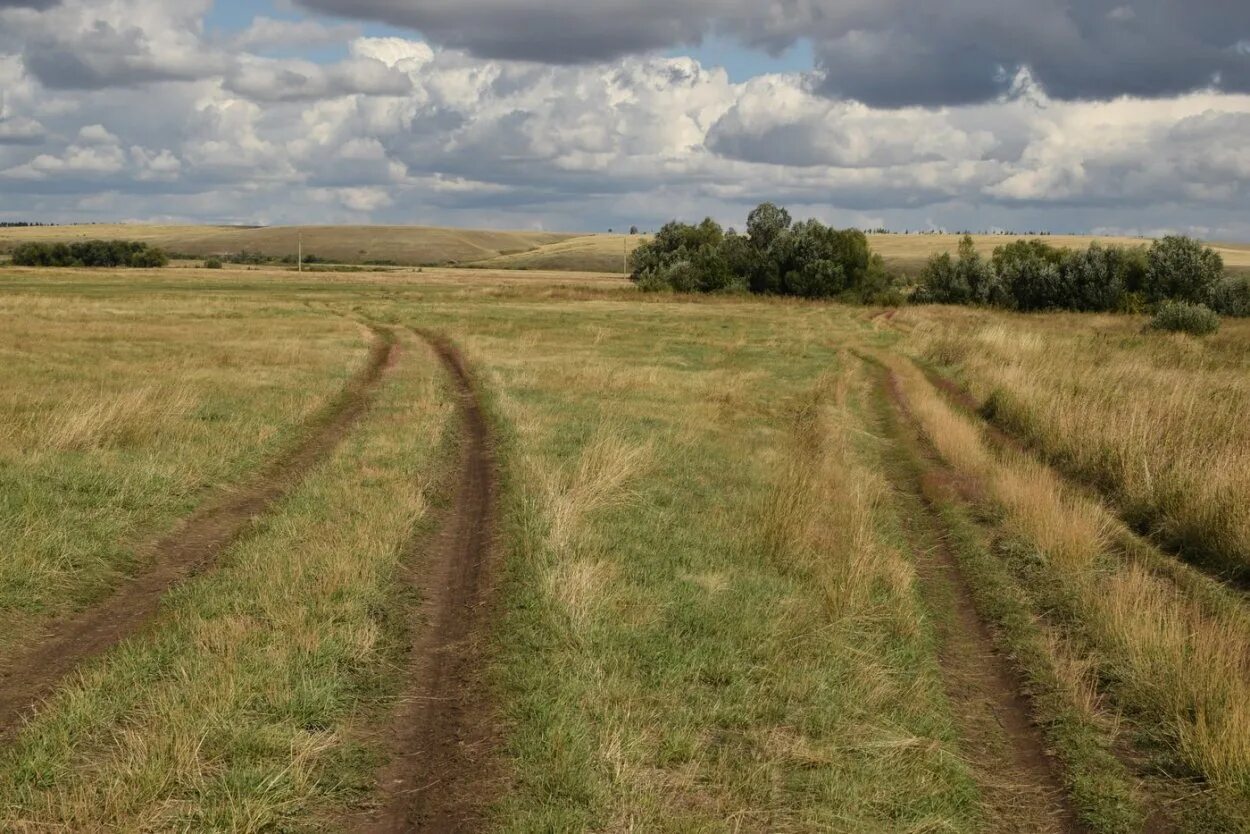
1018 779
191 548
442 735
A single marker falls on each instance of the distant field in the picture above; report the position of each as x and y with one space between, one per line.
423 246
591 253
907 253
408 245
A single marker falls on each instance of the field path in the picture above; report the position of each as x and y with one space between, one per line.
1004 747
441 734
189 549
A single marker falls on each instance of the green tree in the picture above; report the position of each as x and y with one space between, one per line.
766 223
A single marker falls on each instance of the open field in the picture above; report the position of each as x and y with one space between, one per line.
537 552
417 246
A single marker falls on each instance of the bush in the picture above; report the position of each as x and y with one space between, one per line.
212 263
1183 317
1231 296
967 279
1181 269
1097 279
1027 250
1034 283
248 258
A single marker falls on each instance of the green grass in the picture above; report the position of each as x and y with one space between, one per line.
119 418
709 619
240 708
705 678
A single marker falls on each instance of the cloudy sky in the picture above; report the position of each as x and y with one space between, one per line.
1097 115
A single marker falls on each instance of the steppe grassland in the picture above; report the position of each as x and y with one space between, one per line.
709 617
409 245
701 551
123 410
242 708
1158 422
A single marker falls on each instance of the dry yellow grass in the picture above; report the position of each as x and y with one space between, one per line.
590 253
409 245
1156 420
1183 670
117 417
235 711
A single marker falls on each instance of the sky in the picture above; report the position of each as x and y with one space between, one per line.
1104 116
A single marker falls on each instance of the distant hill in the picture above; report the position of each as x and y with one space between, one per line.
587 253
408 245
427 245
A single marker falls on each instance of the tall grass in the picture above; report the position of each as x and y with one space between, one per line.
1181 669
1158 421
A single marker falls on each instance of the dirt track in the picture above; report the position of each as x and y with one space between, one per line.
191 548
441 737
1004 746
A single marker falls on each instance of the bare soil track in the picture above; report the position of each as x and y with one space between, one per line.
1004 746
442 735
191 548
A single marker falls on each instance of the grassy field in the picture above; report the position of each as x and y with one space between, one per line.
759 565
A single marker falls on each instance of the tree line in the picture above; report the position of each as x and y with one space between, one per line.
91 253
1176 277
1032 275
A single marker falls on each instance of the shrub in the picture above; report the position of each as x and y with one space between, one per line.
248 257
1183 317
149 259
1231 296
1027 250
1096 280
1182 269
1034 283
212 263
967 279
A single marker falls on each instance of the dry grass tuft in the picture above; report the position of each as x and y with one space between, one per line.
598 481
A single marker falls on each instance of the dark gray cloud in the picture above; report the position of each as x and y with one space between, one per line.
27 4
105 56
555 31
884 52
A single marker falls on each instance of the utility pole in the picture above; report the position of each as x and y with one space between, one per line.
299 236
625 257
